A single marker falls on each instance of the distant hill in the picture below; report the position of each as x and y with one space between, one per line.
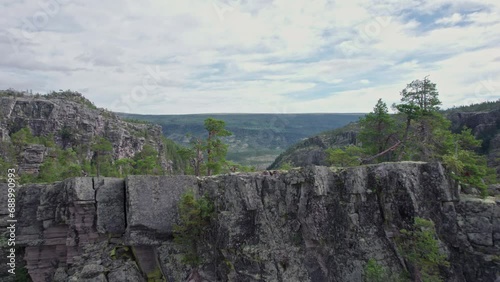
257 138
479 107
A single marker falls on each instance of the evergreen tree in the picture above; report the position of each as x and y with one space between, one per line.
420 108
422 94
147 161
216 149
195 214
377 130
209 154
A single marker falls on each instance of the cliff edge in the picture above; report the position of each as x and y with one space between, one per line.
308 224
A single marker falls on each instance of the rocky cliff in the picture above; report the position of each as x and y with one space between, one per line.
73 121
485 126
310 224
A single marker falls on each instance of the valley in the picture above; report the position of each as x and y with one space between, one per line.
257 138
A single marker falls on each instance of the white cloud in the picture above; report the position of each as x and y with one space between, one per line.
246 56
453 19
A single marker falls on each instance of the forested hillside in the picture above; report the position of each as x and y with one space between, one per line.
257 139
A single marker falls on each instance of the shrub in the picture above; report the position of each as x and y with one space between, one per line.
420 247
195 216
374 272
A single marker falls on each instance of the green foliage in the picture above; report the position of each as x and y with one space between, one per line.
420 97
467 166
210 154
195 217
418 133
71 96
471 169
67 136
420 247
374 272
215 148
12 93
476 107
377 130
102 155
349 156
21 138
22 275
147 161
180 162
137 121
286 166
7 158
258 138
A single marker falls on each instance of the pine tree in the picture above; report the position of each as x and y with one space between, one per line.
377 130
216 149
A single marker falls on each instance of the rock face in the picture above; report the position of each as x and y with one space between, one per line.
72 123
310 224
311 151
486 126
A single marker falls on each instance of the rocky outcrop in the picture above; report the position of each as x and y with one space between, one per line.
311 151
485 126
309 224
72 123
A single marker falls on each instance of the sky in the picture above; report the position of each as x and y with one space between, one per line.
259 56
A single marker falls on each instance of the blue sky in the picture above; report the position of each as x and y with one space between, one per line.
222 56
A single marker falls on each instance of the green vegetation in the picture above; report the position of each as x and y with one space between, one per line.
61 94
216 149
348 156
476 107
102 154
208 157
286 166
137 121
195 216
22 275
420 247
317 145
257 138
64 162
374 272
71 96
377 130
418 132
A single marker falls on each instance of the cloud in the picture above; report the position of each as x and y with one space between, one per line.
193 56
453 19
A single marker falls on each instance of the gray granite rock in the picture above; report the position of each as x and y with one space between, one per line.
152 206
110 198
308 224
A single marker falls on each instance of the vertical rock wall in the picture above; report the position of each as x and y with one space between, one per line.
310 224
